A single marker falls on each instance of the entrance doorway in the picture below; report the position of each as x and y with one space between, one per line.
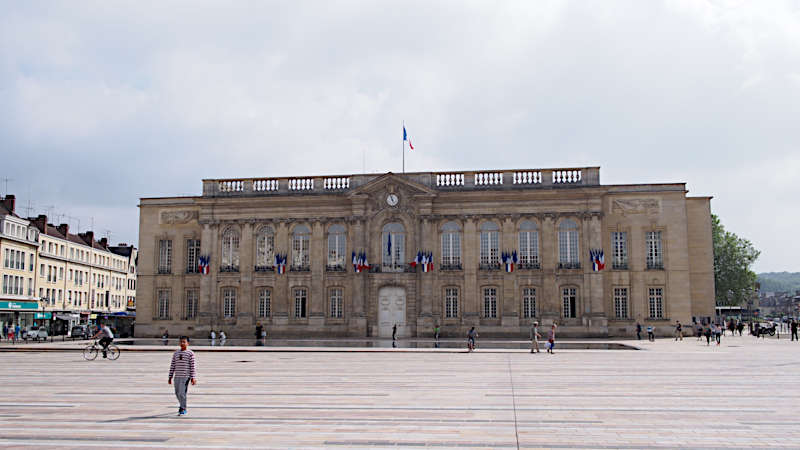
391 311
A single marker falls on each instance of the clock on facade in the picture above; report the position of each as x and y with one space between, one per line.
392 200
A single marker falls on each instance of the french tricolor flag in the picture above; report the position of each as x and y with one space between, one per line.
406 138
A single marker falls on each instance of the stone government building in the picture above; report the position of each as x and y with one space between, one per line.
656 242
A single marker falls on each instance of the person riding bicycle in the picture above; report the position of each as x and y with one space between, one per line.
106 340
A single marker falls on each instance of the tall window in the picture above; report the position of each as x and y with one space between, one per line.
656 297
337 241
300 302
490 245
191 303
164 256
451 246
394 246
230 251
655 259
163 303
621 302
569 297
229 302
490 303
265 249
300 247
528 245
192 255
529 303
264 298
451 303
337 302
568 257
619 240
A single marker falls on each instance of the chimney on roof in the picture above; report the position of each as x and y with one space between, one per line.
122 244
9 202
104 242
40 222
88 238
63 229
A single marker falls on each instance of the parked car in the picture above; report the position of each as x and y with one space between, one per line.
79 332
36 333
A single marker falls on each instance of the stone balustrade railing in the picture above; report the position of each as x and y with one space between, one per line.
445 181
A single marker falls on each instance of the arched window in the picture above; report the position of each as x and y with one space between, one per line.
490 246
230 251
265 249
451 246
393 244
528 245
337 246
301 240
568 245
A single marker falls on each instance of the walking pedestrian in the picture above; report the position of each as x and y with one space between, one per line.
5 331
471 336
259 330
718 333
707 333
16 333
678 330
182 370
651 336
551 339
535 337
740 327
436 332
212 336
11 335
394 332
794 329
638 331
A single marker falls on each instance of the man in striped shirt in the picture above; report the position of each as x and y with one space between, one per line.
182 369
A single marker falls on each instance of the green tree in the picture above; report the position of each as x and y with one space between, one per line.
733 258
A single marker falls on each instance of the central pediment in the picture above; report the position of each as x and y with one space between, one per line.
391 182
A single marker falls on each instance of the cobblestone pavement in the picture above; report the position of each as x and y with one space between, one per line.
669 395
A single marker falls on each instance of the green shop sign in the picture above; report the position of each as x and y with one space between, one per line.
20 306
44 315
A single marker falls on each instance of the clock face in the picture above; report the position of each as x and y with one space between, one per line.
392 200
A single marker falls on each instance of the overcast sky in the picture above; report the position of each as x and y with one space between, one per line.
102 103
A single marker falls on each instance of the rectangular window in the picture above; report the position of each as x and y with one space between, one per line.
300 300
30 267
163 303
60 273
451 303
41 270
191 303
619 240
621 302
529 249
653 244
569 298
490 303
337 303
529 303
490 248
192 255
5 284
568 249
264 298
451 250
656 303
229 303
164 256
300 250
336 249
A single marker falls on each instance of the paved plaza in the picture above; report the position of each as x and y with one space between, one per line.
670 394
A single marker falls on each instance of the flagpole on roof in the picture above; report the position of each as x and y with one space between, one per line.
404 146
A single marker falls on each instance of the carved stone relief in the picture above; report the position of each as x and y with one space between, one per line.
178 217
636 206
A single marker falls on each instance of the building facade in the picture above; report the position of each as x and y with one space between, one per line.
19 244
355 255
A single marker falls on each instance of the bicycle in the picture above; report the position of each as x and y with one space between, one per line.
90 351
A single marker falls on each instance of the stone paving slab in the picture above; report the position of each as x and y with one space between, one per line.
743 394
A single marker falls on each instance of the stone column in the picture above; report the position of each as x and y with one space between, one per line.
509 310
246 263
594 311
469 298
281 301
318 258
550 298
206 309
356 313
427 243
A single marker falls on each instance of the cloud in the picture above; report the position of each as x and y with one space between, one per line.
102 104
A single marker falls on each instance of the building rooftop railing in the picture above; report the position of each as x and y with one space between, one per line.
442 181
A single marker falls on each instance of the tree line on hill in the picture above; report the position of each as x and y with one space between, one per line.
779 281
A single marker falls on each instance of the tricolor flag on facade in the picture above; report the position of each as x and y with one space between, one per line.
509 259
429 263
598 259
417 260
203 264
356 265
280 263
